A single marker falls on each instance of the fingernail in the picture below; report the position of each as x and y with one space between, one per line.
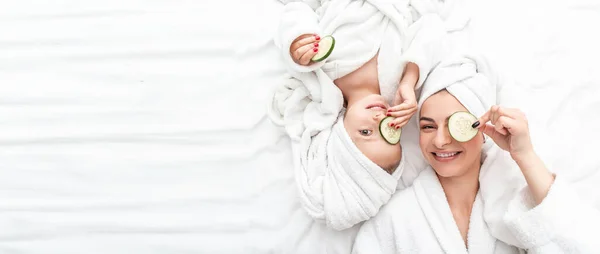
391 124
475 124
316 44
388 114
315 49
398 127
317 37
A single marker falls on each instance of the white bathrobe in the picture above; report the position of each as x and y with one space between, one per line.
565 222
337 184
401 31
419 220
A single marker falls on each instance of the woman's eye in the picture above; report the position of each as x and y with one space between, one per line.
365 132
425 127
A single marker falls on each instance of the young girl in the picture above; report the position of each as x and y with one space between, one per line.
333 109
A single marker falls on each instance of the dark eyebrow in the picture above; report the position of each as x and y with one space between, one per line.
426 119
431 120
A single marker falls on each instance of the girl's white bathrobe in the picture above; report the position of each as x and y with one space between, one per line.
337 184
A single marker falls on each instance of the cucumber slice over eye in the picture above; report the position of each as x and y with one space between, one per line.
389 134
459 125
326 45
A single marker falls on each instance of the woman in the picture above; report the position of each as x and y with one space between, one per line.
444 205
443 212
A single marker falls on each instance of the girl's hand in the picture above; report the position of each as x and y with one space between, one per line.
405 106
405 101
304 48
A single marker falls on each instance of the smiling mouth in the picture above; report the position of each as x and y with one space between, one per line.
445 156
377 105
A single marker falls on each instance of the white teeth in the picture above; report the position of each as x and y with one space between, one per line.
445 155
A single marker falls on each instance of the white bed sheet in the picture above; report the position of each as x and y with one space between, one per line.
139 126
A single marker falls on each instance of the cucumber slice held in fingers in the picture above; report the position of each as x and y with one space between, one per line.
326 45
389 134
460 126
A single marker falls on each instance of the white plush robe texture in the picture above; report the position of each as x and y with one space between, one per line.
418 220
308 104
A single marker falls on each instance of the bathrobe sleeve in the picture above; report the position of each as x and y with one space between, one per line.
563 223
297 18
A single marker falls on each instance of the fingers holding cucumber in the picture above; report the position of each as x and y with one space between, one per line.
390 134
304 48
309 48
508 128
324 49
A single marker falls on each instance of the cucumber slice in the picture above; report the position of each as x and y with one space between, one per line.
326 45
389 134
460 128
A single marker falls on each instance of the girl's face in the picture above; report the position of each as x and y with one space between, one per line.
362 124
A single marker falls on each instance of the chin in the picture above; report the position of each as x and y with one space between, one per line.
448 169
447 172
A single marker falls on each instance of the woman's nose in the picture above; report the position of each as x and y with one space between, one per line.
442 138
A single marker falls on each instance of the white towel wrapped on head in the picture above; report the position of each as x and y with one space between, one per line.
352 180
338 184
466 75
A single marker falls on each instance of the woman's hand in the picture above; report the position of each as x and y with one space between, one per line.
509 129
405 101
304 48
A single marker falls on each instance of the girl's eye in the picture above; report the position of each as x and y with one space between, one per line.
365 132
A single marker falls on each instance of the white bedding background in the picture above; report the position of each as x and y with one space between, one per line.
131 126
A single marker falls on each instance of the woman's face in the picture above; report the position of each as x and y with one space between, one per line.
448 157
